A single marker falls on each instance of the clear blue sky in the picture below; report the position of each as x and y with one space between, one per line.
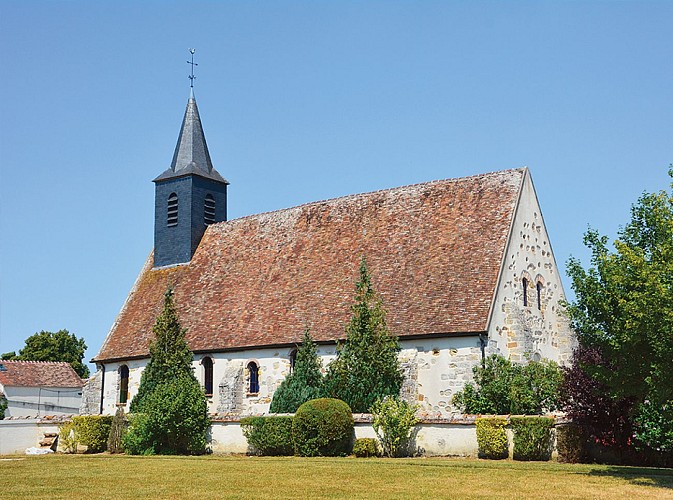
303 101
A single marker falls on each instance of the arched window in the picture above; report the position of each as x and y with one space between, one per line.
538 287
253 382
524 284
123 384
207 364
293 359
209 210
172 214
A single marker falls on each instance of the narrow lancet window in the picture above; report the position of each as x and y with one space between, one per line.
208 375
293 359
172 219
253 371
209 210
123 384
524 285
538 287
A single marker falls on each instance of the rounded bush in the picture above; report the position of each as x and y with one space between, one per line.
322 427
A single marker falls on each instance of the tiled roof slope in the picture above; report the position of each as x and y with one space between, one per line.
434 251
38 374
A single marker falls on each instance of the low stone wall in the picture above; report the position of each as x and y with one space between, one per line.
17 433
453 436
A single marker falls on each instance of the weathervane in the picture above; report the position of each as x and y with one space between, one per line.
192 77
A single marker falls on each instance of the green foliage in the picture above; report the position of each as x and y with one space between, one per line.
654 425
393 421
170 356
173 409
3 406
49 346
305 381
117 432
571 441
322 427
92 431
533 437
269 435
503 387
174 422
624 310
365 448
67 437
492 437
366 367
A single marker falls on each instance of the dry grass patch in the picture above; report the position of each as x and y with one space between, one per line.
107 476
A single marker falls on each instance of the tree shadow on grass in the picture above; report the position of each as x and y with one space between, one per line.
640 476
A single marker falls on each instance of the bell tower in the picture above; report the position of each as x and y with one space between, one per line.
189 196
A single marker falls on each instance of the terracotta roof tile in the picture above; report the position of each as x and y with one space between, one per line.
38 374
434 251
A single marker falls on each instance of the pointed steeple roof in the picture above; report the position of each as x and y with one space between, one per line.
191 152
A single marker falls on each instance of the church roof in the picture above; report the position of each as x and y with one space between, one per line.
434 251
191 154
38 374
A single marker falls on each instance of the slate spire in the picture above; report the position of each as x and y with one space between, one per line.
189 196
191 154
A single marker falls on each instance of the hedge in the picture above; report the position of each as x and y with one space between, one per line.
533 437
492 437
268 435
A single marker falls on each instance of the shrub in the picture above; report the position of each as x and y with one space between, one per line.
268 435
503 387
3 406
492 437
533 437
393 420
117 431
571 443
67 437
92 431
174 422
322 427
365 447
303 383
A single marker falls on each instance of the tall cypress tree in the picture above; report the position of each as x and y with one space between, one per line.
305 381
170 356
366 367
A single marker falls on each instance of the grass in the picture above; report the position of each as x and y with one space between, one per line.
108 476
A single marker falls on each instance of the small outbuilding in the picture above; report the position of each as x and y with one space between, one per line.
36 388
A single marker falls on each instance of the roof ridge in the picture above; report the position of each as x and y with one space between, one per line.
23 361
368 193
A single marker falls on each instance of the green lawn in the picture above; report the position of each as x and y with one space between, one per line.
106 476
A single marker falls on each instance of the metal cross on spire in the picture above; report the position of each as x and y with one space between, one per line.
191 76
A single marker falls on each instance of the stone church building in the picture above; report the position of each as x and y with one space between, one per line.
464 266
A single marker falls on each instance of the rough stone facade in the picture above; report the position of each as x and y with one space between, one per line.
91 394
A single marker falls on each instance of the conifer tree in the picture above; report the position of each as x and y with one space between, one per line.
303 383
366 367
170 356
172 412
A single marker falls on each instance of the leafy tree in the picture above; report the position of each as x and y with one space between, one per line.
503 387
172 412
366 367
3 406
303 383
170 356
49 346
624 310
